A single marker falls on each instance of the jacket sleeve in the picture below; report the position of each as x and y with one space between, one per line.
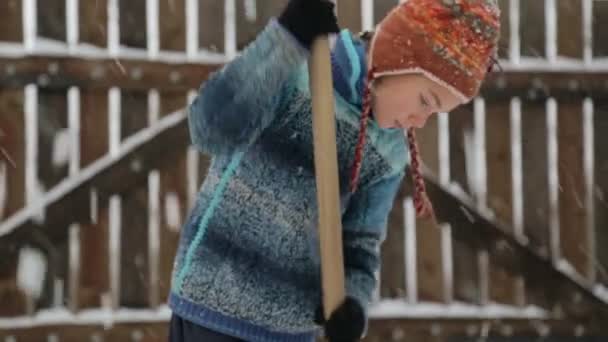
237 102
364 230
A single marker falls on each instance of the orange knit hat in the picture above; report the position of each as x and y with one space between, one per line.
452 42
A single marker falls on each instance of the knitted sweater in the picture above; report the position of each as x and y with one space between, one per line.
248 261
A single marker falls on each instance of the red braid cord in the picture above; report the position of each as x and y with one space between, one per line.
367 108
424 208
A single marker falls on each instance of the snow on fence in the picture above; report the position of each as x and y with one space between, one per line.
533 162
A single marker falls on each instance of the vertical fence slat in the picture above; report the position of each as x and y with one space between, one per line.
71 23
211 26
573 231
53 138
349 15
381 9
532 28
152 26
230 20
12 142
13 160
92 23
462 166
173 198
11 28
570 28
505 32
600 34
134 262
134 112
498 147
600 189
429 254
132 22
172 21
589 203
51 19
535 184
94 234
134 266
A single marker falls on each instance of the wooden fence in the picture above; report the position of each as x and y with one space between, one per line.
97 175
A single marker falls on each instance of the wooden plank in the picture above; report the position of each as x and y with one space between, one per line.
12 162
12 298
429 261
172 101
349 15
505 29
503 287
53 157
532 28
535 183
250 21
93 22
172 25
12 153
466 273
600 189
94 231
570 41
132 14
53 163
173 200
173 212
211 26
103 73
381 9
134 112
536 187
51 19
134 267
10 25
143 75
134 237
94 255
574 236
600 34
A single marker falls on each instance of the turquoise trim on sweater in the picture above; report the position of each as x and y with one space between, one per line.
204 223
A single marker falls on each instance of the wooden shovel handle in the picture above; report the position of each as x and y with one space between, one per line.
326 170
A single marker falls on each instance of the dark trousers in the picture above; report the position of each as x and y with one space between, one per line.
181 330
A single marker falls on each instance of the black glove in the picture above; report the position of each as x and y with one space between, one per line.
308 19
346 324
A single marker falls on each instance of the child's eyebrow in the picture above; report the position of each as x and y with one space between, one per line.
436 98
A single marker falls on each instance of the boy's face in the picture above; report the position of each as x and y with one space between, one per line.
405 101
